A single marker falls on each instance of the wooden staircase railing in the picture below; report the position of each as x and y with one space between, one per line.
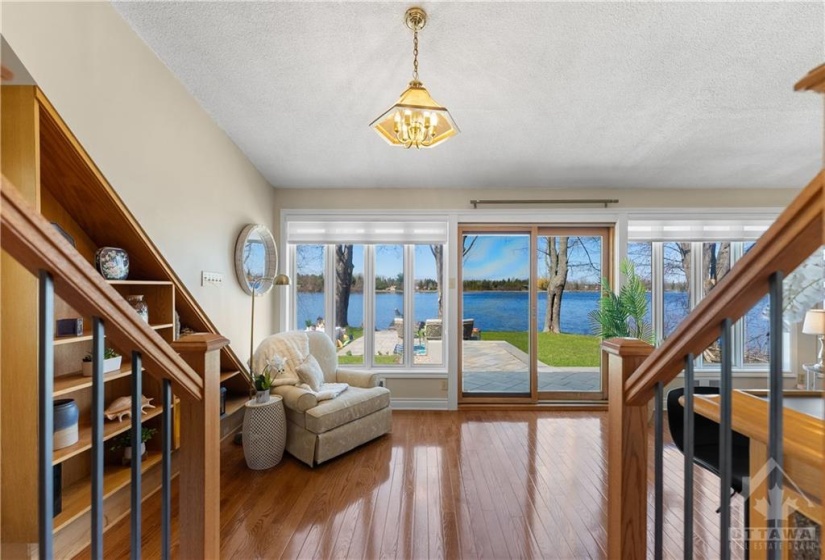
190 367
788 242
638 373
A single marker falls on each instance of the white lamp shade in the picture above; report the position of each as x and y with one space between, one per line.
814 322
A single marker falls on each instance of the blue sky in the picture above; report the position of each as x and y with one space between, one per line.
508 256
491 257
389 261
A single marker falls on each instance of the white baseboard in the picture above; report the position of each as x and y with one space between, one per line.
419 404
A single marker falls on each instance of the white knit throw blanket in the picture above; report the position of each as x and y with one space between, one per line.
292 346
328 390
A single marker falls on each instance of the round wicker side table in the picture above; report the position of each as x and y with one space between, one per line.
264 433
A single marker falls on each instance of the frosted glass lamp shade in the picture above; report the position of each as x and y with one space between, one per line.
415 110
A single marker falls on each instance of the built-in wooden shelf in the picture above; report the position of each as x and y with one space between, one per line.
234 403
228 375
66 384
110 430
77 498
87 335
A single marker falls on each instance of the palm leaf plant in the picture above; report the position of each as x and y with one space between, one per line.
622 315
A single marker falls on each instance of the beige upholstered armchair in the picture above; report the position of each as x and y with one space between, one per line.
320 430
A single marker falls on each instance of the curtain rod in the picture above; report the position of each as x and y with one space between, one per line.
604 201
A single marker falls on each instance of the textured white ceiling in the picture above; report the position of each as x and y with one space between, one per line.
547 95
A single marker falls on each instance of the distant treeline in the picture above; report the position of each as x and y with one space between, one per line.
315 283
522 285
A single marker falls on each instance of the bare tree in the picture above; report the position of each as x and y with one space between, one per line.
556 260
343 283
467 244
438 255
716 264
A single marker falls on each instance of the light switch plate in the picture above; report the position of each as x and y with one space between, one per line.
211 278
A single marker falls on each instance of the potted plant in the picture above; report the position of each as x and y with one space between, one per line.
124 441
263 381
622 315
111 362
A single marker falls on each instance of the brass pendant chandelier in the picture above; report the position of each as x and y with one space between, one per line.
415 119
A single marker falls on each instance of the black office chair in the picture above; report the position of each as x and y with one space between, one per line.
706 439
706 442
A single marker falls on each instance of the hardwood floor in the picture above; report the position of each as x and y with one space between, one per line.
472 484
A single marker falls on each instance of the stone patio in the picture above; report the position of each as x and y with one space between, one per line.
491 366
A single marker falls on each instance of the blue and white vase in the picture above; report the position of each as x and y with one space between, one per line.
112 262
66 416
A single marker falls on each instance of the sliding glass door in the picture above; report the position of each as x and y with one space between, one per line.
495 307
570 264
527 295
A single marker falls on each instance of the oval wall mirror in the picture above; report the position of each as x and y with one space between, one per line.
256 259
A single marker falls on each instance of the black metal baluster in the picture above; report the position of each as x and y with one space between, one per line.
166 482
46 405
98 343
137 398
725 437
775 452
658 476
688 440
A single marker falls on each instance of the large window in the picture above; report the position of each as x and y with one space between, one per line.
428 303
680 274
388 304
349 303
376 288
676 263
309 286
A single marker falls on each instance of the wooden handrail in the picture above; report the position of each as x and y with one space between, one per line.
813 81
796 233
31 240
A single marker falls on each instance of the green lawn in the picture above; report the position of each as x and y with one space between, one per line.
359 360
555 349
355 333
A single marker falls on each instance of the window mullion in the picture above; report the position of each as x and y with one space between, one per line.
736 250
291 303
657 286
369 305
329 290
697 286
409 318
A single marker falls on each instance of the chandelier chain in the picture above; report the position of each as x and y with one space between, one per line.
415 55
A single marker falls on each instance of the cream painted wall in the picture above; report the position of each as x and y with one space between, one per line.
186 182
426 389
432 199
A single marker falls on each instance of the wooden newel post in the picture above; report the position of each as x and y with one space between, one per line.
200 460
627 452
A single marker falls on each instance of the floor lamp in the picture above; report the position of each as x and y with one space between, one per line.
258 289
